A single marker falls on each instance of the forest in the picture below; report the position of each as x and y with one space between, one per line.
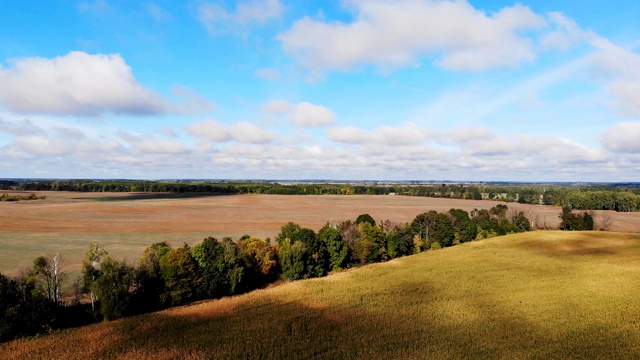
617 197
166 276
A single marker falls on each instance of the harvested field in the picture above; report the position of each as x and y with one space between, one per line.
126 223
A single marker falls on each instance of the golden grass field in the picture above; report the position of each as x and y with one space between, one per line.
536 295
126 223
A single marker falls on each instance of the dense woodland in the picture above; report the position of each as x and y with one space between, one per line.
166 276
618 197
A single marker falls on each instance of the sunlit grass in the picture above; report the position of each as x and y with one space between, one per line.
531 295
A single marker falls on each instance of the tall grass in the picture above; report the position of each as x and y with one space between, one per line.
530 295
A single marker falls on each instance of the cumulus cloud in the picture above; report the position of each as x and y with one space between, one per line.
77 83
393 34
303 114
218 20
623 137
83 84
218 132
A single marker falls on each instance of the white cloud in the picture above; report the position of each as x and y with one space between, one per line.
41 145
303 114
20 128
393 34
566 33
77 83
243 132
623 137
619 68
306 114
409 134
218 20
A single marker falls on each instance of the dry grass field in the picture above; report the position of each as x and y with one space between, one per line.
126 223
537 295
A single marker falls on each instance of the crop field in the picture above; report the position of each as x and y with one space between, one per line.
126 223
532 295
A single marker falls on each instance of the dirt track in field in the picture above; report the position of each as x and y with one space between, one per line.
126 223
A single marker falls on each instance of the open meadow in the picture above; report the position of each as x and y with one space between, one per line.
532 295
126 223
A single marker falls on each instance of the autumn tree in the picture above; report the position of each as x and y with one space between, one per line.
261 259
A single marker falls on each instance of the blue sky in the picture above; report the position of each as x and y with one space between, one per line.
352 89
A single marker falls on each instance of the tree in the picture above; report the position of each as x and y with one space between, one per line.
520 221
24 310
400 241
571 221
464 229
91 269
337 248
444 233
286 231
149 281
261 259
365 218
371 244
293 259
180 275
114 288
424 226
210 257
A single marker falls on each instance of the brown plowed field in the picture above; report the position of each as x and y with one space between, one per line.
126 223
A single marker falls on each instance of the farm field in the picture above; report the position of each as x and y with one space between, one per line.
126 223
532 295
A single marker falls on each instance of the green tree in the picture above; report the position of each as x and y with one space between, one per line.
149 281
91 270
114 288
464 229
337 248
371 246
365 218
180 275
400 241
286 231
293 259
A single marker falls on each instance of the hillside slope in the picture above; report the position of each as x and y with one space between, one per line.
530 295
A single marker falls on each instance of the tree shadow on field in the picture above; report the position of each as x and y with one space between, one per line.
152 196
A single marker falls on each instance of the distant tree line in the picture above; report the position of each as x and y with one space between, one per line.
166 276
593 197
7 197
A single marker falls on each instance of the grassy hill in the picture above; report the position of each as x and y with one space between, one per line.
530 295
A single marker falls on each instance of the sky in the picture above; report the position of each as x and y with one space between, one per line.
345 90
